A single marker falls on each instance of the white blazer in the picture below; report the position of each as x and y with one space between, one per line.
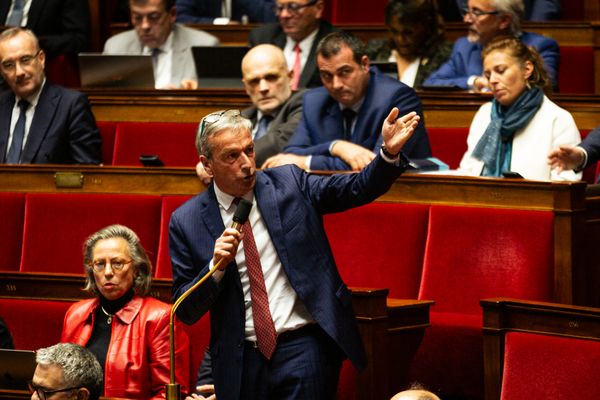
550 127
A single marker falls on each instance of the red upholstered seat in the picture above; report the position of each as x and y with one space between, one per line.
63 70
56 226
199 334
576 71
448 144
163 261
173 143
12 207
34 323
549 367
380 245
107 132
475 253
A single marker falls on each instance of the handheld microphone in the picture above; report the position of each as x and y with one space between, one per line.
173 391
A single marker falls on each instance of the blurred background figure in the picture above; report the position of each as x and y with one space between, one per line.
125 328
517 129
223 12
298 32
417 44
66 371
535 10
156 33
6 340
415 392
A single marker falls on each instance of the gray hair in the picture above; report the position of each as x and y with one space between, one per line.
12 32
514 8
214 123
143 267
79 366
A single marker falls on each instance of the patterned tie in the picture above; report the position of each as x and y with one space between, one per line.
263 126
297 69
15 17
264 327
349 115
14 153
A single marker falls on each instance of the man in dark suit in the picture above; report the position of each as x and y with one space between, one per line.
62 26
340 123
488 19
41 123
300 24
211 11
281 317
577 157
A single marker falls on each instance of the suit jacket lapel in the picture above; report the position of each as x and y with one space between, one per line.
7 103
35 11
43 116
334 121
4 6
311 62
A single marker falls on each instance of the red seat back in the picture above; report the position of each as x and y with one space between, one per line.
163 262
173 143
576 71
107 132
34 323
448 144
199 334
12 206
549 367
56 226
474 253
63 70
380 245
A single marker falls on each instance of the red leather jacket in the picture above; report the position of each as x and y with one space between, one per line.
137 361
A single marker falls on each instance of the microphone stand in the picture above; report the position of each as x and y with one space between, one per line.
173 389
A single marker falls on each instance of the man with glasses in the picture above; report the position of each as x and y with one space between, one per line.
281 318
222 12
535 10
299 30
41 123
488 19
66 371
156 33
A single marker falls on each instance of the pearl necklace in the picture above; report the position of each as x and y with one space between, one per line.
110 316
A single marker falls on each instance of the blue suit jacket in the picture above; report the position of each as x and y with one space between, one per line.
591 144
292 203
63 129
322 122
465 61
205 11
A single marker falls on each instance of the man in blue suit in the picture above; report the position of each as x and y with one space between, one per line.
41 123
340 123
211 11
304 306
488 19
535 10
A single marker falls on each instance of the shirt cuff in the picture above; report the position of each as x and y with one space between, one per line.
581 166
217 275
221 21
471 81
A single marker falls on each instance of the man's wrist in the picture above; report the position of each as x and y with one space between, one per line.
387 154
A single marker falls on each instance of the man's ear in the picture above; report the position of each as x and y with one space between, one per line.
207 165
83 394
365 63
505 21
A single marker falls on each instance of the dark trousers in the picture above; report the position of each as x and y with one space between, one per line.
306 365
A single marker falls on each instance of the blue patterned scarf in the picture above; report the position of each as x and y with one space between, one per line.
495 146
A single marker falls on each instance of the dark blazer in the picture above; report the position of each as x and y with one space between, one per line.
292 203
205 11
63 129
62 26
322 122
465 61
280 129
591 144
272 33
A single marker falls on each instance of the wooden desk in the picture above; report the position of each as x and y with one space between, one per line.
441 109
502 315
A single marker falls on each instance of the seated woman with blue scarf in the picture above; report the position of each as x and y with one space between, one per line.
516 130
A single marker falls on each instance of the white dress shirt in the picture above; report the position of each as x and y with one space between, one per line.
16 111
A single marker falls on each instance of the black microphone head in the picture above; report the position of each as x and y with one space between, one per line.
242 211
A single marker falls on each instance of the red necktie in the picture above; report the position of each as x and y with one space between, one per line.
264 327
297 70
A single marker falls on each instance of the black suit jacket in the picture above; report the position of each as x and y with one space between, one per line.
591 144
272 33
63 129
280 129
62 26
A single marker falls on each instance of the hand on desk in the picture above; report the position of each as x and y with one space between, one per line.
356 156
203 389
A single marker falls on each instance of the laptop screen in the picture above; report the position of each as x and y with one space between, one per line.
219 66
116 71
16 368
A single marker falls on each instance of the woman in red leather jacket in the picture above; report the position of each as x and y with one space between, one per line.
127 330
